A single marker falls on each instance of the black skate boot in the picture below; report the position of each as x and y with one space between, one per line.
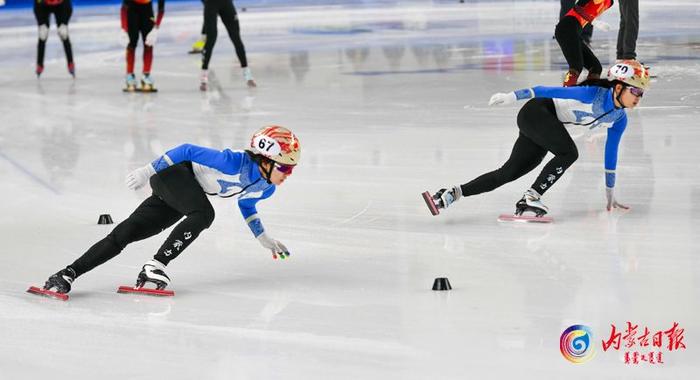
531 202
154 272
61 281
442 199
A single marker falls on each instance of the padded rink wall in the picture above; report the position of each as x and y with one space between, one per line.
255 3
76 3
238 3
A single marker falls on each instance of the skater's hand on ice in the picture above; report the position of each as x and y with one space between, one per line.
601 25
612 203
139 177
499 99
152 37
124 38
277 248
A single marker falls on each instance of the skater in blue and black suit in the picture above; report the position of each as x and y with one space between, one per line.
181 180
542 122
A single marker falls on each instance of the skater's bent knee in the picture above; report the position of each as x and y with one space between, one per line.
63 31
574 154
570 156
43 32
204 217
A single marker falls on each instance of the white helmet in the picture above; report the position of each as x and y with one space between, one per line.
631 73
277 143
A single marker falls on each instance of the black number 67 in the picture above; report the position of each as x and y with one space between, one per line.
265 145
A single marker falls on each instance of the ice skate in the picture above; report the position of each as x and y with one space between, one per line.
204 81
530 202
57 286
442 199
147 84
571 78
130 83
248 76
153 273
39 70
71 69
197 47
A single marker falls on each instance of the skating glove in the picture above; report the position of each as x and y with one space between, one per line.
612 203
601 25
152 37
500 99
124 38
139 177
277 248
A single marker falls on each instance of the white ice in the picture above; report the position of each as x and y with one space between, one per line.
388 101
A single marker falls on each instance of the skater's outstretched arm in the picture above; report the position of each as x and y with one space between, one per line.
250 213
226 161
611 147
584 94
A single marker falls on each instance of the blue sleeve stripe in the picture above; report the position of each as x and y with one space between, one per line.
161 163
610 178
525 93
255 225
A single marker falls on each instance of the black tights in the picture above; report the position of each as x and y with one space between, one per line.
176 193
62 12
578 54
540 132
225 9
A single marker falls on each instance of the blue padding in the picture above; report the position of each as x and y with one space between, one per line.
610 179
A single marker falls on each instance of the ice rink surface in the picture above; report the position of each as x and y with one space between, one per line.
388 101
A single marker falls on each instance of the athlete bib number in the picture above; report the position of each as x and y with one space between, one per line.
267 146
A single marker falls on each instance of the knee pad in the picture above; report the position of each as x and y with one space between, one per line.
63 31
43 32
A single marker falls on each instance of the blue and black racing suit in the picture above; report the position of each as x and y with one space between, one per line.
543 123
185 176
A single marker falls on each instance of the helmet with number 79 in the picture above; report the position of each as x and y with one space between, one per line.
631 73
276 143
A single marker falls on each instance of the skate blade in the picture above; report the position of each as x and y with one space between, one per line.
47 293
194 51
430 203
146 90
126 89
150 292
525 218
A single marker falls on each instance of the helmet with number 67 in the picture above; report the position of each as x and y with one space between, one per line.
631 73
276 143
